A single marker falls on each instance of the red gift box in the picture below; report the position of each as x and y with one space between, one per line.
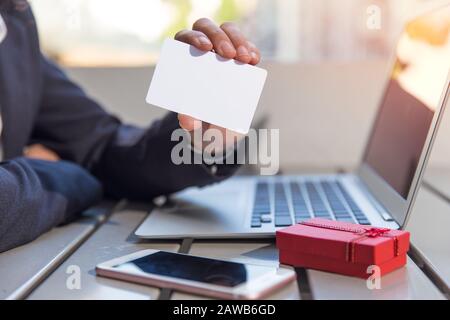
341 247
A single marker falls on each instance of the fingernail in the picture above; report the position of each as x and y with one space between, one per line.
254 56
242 51
226 48
204 41
251 45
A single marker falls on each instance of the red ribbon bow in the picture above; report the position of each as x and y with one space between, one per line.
363 234
375 232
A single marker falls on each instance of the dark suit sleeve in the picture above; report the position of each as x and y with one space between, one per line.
131 162
37 195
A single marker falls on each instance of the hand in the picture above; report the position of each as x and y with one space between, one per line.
38 151
228 42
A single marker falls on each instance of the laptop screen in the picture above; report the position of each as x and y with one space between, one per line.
415 87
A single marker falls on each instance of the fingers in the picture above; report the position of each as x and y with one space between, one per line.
188 123
38 151
256 55
229 136
196 38
240 43
227 40
221 43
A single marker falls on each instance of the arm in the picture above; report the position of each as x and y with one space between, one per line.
37 195
137 163
130 162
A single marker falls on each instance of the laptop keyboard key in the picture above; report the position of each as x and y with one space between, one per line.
298 200
342 214
321 213
261 204
301 219
346 219
262 212
364 221
357 212
281 204
317 204
302 216
283 221
335 198
256 224
282 213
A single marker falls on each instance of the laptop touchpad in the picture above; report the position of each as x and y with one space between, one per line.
214 208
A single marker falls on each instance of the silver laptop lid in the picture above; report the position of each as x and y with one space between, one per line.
409 113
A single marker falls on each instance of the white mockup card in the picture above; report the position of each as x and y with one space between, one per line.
206 86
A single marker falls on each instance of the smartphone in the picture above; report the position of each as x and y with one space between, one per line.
199 275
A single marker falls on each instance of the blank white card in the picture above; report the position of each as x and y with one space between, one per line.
206 86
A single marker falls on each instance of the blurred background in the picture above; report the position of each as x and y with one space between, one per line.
327 61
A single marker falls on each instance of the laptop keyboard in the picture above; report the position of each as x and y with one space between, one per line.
295 202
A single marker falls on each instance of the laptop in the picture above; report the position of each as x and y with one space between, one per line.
380 192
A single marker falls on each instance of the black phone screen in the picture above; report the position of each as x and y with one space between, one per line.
200 269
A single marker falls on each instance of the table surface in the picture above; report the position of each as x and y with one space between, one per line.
438 179
26 266
430 222
108 233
